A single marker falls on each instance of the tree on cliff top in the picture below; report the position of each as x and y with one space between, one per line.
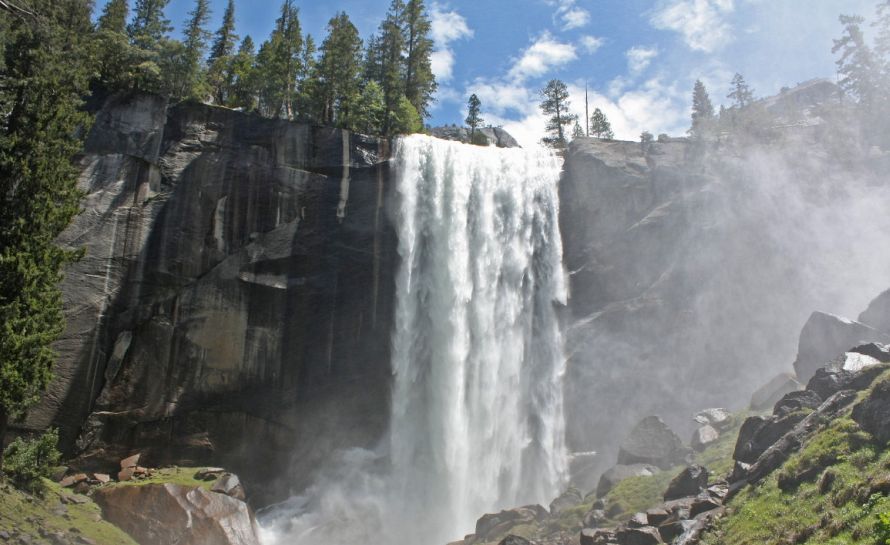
555 104
222 53
856 66
702 111
741 95
46 68
600 126
337 84
420 83
474 115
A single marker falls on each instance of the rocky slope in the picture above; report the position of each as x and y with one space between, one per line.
234 302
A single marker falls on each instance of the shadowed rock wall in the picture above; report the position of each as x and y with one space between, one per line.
234 303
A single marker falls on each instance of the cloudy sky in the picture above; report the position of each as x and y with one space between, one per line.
640 58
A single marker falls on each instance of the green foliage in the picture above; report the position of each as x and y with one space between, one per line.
189 76
46 72
420 83
856 66
220 70
740 93
474 115
280 65
479 139
600 126
337 89
243 76
555 105
882 528
370 110
406 120
115 56
702 112
28 461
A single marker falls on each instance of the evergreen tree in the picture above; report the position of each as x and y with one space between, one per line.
742 96
370 110
600 126
115 56
190 76
339 72
373 61
149 26
555 104
243 91
222 52
702 111
856 66
420 83
45 71
154 55
279 64
308 82
882 40
474 119
577 131
391 44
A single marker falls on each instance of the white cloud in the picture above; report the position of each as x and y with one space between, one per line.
446 27
591 43
702 23
569 15
639 58
540 57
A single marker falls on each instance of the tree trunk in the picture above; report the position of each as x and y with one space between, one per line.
4 419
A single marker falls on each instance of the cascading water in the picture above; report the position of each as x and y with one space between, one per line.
477 359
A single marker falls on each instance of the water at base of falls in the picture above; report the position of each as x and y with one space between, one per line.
477 358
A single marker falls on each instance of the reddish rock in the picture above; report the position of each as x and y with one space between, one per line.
639 536
72 480
169 513
130 461
126 474
102 478
229 485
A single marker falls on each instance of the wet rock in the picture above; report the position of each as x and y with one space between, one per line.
719 418
657 516
230 485
638 520
618 473
703 437
757 434
593 518
495 524
670 531
568 499
651 441
873 413
639 536
796 401
880 352
169 513
689 482
73 480
209 473
877 314
600 536
853 361
703 504
515 540
767 395
825 337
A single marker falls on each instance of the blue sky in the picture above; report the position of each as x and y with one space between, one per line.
640 57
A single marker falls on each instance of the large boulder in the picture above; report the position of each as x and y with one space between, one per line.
568 499
647 535
651 441
689 482
179 515
825 337
797 401
877 314
614 475
494 525
767 395
703 437
757 434
873 413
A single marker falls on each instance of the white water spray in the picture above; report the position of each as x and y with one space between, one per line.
477 415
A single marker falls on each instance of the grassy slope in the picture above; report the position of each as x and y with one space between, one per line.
29 513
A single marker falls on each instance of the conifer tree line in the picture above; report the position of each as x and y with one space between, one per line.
382 86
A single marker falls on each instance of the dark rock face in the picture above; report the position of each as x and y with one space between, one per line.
234 303
689 482
797 401
169 513
873 413
651 441
825 337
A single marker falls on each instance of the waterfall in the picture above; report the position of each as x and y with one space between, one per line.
477 357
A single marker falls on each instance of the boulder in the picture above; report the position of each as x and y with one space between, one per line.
618 473
877 315
651 441
170 513
646 535
767 395
72 480
689 482
703 437
209 473
796 401
130 461
230 485
758 434
515 540
493 525
600 536
593 518
873 413
703 504
568 499
825 337
827 382
853 361
721 419
878 351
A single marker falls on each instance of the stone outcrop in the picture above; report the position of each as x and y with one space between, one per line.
877 314
651 441
234 302
825 337
492 136
178 515
873 413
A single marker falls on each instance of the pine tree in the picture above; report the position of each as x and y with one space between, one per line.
370 110
219 73
243 91
155 57
702 111
189 77
391 43
742 96
882 40
115 56
420 83
339 72
308 82
474 119
555 104
279 64
856 66
149 26
577 131
45 72
373 62
600 126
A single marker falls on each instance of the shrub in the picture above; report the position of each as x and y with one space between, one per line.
882 528
26 461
